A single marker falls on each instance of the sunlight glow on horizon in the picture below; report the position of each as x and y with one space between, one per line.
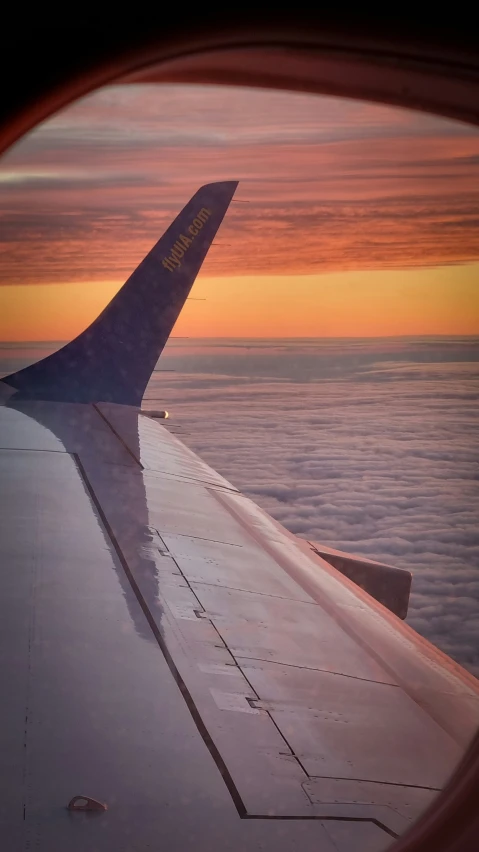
377 303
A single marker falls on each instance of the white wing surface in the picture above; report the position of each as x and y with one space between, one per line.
171 651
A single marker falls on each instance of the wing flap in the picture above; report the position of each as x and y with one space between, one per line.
389 585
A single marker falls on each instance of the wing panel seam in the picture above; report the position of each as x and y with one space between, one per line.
118 436
194 712
313 669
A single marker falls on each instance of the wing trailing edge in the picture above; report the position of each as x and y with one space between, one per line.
113 359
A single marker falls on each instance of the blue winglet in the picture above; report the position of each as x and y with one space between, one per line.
113 359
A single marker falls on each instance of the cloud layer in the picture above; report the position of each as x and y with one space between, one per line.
368 446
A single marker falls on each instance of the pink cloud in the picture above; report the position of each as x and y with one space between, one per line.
331 184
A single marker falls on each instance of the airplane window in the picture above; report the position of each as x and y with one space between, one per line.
325 363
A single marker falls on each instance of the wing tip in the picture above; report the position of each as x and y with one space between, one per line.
231 185
98 364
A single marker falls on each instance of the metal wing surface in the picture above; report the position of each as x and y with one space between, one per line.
173 652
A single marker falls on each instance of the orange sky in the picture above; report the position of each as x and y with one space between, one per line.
437 300
361 219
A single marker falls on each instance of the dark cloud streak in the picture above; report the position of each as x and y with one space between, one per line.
331 184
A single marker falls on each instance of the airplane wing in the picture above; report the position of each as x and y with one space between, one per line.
198 676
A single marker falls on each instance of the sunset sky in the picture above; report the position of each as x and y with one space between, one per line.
360 220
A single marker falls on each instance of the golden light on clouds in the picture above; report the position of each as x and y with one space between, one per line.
359 219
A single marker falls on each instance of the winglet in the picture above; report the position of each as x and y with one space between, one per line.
113 359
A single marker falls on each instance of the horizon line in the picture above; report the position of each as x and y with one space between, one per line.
8 343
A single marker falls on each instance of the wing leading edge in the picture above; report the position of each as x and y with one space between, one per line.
113 359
